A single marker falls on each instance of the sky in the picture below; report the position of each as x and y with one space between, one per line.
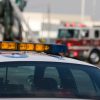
65 6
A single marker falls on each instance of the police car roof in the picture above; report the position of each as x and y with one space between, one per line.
39 57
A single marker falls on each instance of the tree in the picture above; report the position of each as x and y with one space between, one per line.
8 21
21 4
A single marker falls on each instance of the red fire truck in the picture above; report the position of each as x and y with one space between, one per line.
83 41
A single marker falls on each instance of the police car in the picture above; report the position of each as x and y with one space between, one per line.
36 76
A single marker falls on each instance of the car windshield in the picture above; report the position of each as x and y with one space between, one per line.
68 33
49 80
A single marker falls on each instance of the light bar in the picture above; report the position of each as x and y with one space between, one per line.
47 48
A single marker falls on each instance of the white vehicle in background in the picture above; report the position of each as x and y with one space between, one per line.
83 41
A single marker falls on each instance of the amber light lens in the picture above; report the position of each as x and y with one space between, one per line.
46 48
26 47
39 47
30 47
8 46
22 46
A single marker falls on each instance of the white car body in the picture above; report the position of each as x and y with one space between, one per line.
44 58
40 57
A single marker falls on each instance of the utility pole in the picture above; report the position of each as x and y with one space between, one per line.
43 22
93 9
83 9
49 24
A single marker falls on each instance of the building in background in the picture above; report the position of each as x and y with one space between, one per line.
46 25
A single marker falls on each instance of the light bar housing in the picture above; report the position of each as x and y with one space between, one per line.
47 48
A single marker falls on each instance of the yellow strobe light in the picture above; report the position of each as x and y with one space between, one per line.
26 47
8 46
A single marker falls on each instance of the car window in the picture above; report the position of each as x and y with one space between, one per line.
68 33
2 74
20 76
97 33
14 80
49 79
83 82
51 72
